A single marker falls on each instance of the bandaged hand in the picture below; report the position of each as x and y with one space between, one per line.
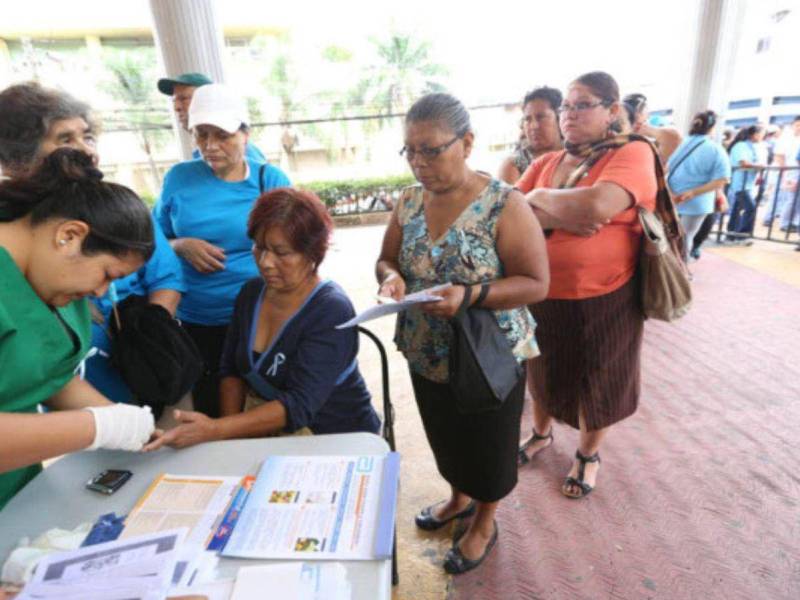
121 426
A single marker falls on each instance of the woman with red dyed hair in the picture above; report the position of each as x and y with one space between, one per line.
284 363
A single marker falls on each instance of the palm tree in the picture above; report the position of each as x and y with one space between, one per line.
404 72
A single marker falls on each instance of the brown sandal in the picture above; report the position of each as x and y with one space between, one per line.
522 457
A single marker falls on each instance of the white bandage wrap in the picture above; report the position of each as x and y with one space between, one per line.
121 426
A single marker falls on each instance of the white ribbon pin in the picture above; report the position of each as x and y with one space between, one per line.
276 362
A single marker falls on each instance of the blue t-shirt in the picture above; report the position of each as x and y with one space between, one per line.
743 179
195 203
161 272
251 152
695 162
310 364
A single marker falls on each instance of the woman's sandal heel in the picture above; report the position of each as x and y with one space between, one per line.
578 481
522 457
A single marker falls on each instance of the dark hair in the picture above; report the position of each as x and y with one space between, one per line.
703 122
28 110
441 107
634 104
796 119
602 85
301 216
744 134
67 185
552 96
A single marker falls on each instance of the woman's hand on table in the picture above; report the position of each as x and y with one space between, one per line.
447 307
393 286
203 256
193 428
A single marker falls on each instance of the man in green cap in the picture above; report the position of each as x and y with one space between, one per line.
182 88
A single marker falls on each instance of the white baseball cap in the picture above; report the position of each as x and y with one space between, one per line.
218 105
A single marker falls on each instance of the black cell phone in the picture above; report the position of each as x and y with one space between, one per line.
109 481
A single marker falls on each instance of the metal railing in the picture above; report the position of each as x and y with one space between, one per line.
772 215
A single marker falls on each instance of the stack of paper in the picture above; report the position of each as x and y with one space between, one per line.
292 581
140 567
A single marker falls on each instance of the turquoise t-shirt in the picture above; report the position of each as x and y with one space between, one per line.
37 353
743 179
695 162
196 203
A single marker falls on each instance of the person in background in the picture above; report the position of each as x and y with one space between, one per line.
540 132
744 156
64 235
463 227
203 210
285 367
590 326
727 138
666 139
181 89
38 121
786 152
698 169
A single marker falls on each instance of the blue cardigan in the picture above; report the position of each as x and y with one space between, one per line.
310 364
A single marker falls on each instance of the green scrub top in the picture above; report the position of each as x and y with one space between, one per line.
38 356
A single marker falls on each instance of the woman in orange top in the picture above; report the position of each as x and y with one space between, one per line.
590 326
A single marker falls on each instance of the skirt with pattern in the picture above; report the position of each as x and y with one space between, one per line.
590 357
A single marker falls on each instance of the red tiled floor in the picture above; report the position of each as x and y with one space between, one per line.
698 492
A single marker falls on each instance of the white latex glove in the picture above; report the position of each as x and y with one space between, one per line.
121 426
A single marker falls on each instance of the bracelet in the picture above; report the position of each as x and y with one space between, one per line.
482 295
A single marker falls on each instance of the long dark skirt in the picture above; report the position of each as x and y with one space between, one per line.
590 357
476 454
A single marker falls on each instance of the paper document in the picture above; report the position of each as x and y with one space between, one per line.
195 502
319 507
293 581
136 568
389 306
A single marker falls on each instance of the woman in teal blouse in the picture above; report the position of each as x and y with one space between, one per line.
64 235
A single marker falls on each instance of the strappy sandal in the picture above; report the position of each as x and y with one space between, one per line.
578 481
522 457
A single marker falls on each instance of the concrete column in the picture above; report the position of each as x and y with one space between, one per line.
719 25
5 64
189 39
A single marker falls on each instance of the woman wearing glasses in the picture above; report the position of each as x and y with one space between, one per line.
463 227
590 326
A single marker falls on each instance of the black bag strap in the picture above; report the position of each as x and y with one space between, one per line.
464 303
261 170
683 158
482 296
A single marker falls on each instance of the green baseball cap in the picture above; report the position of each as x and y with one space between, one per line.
167 85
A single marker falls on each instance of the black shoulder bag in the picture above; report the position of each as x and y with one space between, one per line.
483 369
155 356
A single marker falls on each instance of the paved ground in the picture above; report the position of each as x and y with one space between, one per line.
697 497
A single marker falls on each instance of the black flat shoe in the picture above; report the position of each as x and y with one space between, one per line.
425 519
456 563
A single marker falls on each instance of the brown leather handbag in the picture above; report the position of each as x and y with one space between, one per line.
666 293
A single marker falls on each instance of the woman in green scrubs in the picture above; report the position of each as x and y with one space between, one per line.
64 235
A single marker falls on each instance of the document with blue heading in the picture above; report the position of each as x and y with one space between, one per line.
319 507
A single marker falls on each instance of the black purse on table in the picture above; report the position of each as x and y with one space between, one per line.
483 369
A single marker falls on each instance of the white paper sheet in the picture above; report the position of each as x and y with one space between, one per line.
292 581
140 567
390 306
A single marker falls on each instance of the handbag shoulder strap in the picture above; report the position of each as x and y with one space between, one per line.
464 303
261 170
683 158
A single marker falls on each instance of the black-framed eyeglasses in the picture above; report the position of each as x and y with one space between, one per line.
425 152
581 106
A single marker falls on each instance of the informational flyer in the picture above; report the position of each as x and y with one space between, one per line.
319 507
389 306
198 503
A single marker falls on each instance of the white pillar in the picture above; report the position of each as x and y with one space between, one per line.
719 25
189 39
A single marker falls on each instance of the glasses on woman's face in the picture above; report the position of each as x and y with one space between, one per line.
580 107
426 153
